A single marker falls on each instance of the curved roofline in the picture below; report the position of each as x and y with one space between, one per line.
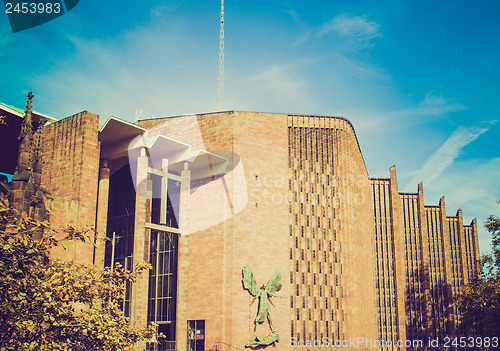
341 118
194 114
246 111
275 113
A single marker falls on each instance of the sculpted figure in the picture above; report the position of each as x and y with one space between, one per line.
270 339
270 289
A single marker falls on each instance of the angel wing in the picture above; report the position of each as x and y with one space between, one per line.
275 282
249 281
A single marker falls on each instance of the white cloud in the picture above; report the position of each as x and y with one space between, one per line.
397 120
354 28
296 18
361 70
164 9
430 106
405 117
355 32
165 74
306 30
274 86
443 157
437 105
278 79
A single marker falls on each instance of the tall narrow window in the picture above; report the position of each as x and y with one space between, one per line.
162 285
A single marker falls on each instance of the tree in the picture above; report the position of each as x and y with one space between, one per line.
493 226
480 299
47 304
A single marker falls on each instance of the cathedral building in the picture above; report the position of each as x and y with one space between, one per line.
263 230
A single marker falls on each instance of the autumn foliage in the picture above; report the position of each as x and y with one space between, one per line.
47 304
480 299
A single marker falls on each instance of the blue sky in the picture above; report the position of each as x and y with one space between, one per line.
418 79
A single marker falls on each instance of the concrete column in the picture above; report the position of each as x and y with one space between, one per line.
139 301
184 200
475 255
462 243
102 213
164 191
183 261
428 323
399 252
447 262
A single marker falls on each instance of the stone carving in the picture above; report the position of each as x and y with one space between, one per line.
270 339
263 294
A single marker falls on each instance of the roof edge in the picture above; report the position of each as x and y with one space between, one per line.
20 112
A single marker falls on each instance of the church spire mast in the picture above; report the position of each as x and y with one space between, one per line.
220 85
24 158
26 194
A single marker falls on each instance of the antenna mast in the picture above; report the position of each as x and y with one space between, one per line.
220 83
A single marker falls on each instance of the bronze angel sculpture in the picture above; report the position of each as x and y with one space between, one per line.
263 293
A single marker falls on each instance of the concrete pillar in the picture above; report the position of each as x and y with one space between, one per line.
102 213
463 252
428 322
164 191
447 263
139 303
184 200
399 252
475 255
183 260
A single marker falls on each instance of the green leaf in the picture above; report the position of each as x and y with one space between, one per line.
38 291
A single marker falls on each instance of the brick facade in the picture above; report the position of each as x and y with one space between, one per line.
214 257
359 259
260 234
423 259
71 173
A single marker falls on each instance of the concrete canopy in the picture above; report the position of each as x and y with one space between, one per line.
122 142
